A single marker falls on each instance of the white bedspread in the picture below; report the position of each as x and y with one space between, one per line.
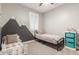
49 38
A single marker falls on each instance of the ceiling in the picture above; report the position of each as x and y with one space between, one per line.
41 9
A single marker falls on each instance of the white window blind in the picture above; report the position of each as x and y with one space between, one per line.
34 21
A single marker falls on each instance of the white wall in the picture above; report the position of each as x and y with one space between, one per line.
58 20
0 13
21 13
0 8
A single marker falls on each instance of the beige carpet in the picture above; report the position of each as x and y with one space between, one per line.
36 48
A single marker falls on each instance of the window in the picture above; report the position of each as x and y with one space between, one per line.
34 21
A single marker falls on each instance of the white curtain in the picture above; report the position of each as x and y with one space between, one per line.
34 21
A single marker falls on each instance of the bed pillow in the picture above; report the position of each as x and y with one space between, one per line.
12 38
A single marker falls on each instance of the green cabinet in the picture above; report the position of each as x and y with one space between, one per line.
70 39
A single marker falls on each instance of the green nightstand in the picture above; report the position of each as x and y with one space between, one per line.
70 39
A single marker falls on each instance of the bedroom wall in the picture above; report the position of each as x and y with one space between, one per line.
59 19
0 8
20 13
0 20
0 14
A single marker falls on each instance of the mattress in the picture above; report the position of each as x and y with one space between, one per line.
48 38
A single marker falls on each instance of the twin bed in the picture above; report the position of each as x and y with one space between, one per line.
54 41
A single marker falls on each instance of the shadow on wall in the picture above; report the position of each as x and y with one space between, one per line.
12 27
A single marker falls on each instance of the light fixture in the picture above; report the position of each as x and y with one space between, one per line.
45 4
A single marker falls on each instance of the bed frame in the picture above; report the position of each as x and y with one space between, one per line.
59 46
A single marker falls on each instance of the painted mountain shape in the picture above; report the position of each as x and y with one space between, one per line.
12 27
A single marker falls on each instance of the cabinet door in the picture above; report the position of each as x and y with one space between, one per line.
69 39
70 44
70 35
